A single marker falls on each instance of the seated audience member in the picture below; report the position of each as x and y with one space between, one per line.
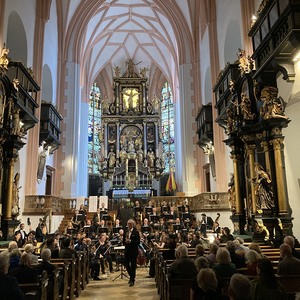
14 258
52 244
9 288
289 265
236 259
208 283
255 247
183 266
66 249
211 257
251 261
239 287
224 267
241 249
24 273
290 240
199 250
45 265
29 249
200 263
266 285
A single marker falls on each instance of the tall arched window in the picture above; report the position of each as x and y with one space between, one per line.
167 128
95 131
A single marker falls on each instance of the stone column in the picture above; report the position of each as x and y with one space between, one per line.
8 199
238 200
280 176
250 151
117 98
118 142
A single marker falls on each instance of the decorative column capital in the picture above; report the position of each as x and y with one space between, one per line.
276 143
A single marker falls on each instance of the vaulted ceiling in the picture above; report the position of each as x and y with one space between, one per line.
116 30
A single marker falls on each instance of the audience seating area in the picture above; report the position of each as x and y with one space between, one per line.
69 278
172 289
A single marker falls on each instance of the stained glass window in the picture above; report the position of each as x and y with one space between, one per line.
167 128
95 131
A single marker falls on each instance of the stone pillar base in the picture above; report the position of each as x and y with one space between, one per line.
8 228
239 222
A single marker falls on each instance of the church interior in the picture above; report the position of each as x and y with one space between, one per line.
180 103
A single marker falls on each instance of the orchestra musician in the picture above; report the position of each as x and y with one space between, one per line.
96 217
69 229
137 211
165 208
103 210
76 220
146 231
102 228
103 252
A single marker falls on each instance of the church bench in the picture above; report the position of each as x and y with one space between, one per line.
68 264
178 288
291 284
36 290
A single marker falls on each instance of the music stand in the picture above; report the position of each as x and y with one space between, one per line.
106 217
121 252
71 231
148 210
145 229
116 229
102 229
176 227
154 218
168 217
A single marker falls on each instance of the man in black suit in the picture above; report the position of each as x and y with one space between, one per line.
131 240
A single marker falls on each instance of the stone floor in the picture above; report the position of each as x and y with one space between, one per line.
118 289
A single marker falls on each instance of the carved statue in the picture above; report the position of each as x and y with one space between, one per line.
246 107
4 59
230 121
246 62
231 194
131 148
272 106
143 72
263 188
151 158
111 159
16 122
156 104
123 154
15 196
117 71
105 104
130 69
140 154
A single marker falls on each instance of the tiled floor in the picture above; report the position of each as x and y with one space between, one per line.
118 289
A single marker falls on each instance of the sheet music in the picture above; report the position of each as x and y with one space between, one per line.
119 248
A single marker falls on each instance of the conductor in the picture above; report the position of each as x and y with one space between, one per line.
131 240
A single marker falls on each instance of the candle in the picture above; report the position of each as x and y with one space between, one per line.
114 217
141 217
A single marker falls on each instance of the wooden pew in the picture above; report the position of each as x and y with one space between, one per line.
69 265
37 290
291 284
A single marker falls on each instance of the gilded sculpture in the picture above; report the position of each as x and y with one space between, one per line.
246 107
263 189
272 106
